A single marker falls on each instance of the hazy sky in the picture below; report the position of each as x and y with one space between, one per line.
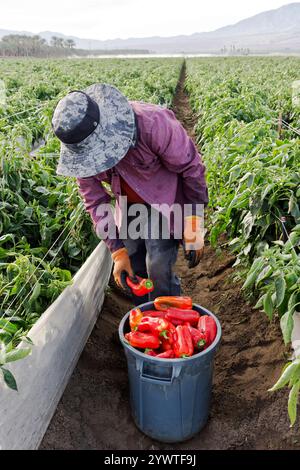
107 19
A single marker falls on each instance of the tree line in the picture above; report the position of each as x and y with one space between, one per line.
17 45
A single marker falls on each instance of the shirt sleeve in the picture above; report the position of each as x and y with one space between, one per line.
97 202
179 154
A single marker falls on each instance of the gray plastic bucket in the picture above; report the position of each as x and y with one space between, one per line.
170 399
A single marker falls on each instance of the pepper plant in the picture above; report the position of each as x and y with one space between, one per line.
253 158
45 233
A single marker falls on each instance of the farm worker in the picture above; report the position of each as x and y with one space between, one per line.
143 152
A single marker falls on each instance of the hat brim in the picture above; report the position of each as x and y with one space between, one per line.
110 141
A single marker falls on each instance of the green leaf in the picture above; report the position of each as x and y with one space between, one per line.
42 190
73 251
296 212
264 274
6 238
247 222
234 173
292 403
237 262
280 287
257 265
36 292
294 238
247 249
5 337
268 305
28 212
16 355
293 207
65 275
266 191
286 376
234 241
291 279
261 247
9 379
287 325
250 280
8 326
293 301
3 253
252 275
260 302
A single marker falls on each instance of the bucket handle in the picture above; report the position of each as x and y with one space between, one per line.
157 380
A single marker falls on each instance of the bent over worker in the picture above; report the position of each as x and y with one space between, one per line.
142 152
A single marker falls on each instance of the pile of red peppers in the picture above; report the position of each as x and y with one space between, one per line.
172 331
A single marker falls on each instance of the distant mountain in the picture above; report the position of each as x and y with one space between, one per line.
271 31
4 32
283 19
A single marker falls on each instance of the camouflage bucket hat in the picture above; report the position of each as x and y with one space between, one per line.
96 128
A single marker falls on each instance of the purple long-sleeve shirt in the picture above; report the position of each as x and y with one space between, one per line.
163 167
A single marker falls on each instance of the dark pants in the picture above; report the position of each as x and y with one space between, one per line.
154 259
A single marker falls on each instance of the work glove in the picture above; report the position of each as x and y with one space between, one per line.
121 263
193 239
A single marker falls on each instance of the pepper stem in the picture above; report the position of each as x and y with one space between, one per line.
164 334
201 343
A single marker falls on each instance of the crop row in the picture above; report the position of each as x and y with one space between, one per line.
45 235
246 122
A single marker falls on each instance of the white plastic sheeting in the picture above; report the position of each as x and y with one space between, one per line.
59 338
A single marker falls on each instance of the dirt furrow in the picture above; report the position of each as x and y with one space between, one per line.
94 411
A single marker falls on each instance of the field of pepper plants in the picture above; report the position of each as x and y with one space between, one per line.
248 129
45 235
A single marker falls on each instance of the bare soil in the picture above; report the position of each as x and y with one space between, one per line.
94 411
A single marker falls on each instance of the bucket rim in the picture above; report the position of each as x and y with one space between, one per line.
156 360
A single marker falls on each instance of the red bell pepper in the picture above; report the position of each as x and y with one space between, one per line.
165 345
150 352
168 339
154 313
142 340
208 328
176 315
135 317
198 338
183 343
140 286
167 354
163 303
157 326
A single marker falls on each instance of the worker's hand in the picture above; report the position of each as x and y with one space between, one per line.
193 239
121 263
